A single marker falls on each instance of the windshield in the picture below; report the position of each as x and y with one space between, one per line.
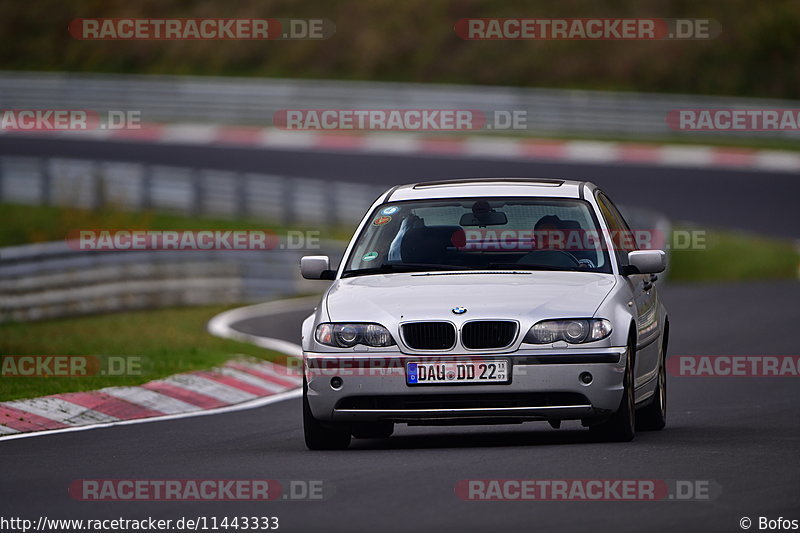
480 234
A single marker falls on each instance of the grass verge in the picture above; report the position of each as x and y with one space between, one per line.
736 256
169 341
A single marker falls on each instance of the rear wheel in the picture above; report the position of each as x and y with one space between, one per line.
319 436
621 426
654 416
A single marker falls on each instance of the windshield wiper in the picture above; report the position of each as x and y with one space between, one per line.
388 268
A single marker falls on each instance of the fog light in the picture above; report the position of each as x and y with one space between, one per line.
585 378
336 382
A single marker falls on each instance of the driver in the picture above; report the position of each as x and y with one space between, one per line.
548 233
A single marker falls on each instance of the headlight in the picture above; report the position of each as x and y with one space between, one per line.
574 331
348 335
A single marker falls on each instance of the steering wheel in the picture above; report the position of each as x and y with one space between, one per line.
555 258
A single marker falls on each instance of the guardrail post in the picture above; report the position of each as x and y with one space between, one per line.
332 206
198 189
146 188
242 207
98 184
2 177
45 182
289 189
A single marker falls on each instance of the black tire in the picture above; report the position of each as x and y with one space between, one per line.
373 430
319 436
654 416
621 426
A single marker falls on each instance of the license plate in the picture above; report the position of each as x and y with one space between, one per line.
454 372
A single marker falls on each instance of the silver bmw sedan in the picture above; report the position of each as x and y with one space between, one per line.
487 301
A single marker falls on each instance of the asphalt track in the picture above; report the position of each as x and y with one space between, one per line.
739 434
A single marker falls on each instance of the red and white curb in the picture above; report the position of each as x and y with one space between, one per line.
478 146
237 381
241 383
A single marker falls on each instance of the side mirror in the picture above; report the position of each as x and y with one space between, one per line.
645 262
316 267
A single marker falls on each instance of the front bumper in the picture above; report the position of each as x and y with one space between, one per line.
545 385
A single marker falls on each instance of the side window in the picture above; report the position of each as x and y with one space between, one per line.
621 235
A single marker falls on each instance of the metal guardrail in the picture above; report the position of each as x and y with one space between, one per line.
255 101
192 191
50 280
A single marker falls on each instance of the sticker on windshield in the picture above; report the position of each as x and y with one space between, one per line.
369 256
390 210
380 221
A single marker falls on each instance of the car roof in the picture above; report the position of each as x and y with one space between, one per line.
500 187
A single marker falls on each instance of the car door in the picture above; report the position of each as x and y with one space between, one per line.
645 298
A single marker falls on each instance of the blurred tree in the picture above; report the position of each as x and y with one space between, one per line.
757 54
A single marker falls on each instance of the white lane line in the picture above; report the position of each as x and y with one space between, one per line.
775 160
590 151
151 400
250 379
220 324
289 139
486 147
692 156
5 430
61 411
392 143
189 133
279 371
214 389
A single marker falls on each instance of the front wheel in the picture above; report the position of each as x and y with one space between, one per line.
621 426
654 416
318 436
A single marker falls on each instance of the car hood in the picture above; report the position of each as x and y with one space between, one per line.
391 298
